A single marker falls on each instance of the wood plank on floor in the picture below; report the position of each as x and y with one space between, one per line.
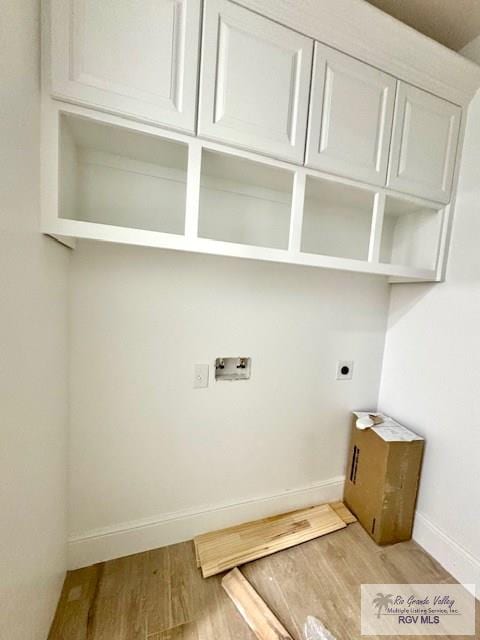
197 557
171 603
118 609
163 593
181 604
228 548
253 609
345 514
186 631
339 507
73 615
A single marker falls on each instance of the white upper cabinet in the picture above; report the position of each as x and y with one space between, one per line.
139 59
351 114
255 77
424 144
230 179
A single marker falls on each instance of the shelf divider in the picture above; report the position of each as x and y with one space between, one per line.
377 227
192 202
296 216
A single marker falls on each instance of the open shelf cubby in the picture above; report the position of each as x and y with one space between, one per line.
118 177
337 219
410 234
243 201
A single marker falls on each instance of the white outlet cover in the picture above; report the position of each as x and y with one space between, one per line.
340 365
200 376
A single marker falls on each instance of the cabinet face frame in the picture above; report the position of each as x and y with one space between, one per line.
221 19
408 98
62 41
53 224
321 154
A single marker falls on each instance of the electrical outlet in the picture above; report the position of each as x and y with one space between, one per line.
344 369
200 376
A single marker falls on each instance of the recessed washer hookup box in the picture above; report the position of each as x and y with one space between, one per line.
383 471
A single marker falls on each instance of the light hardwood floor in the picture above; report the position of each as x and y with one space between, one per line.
161 595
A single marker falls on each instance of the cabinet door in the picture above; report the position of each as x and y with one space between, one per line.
424 145
351 114
254 82
138 59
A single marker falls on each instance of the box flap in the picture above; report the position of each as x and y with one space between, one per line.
395 433
390 430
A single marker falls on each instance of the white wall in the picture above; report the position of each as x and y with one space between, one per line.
431 380
472 50
145 445
33 348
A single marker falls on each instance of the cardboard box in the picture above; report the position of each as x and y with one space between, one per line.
383 471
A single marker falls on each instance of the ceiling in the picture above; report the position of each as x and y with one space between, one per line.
451 22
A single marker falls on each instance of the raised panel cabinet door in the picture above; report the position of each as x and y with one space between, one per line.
254 86
136 58
424 144
351 115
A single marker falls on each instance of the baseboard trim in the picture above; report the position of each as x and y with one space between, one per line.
453 557
126 538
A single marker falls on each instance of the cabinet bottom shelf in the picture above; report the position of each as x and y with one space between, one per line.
122 235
